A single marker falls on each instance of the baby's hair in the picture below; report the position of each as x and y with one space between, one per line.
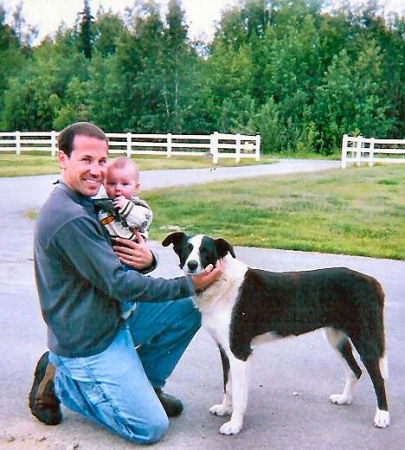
123 162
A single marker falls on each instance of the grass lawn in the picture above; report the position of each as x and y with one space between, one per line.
37 163
357 211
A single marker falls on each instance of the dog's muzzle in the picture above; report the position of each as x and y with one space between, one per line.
192 266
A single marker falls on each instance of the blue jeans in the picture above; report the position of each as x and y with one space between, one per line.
115 387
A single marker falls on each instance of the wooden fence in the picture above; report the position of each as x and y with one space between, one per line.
356 150
217 145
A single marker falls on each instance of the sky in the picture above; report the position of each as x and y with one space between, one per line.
201 15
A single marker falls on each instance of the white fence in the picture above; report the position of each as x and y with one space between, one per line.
356 150
217 145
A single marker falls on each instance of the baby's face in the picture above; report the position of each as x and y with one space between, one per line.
121 181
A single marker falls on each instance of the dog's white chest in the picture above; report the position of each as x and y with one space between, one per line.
216 303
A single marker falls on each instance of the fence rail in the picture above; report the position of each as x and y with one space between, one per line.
218 145
356 150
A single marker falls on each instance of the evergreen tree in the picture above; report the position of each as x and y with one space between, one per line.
298 74
86 34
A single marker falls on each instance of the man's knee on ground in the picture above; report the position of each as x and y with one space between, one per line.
150 432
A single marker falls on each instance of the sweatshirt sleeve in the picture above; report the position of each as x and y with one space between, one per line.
136 215
81 242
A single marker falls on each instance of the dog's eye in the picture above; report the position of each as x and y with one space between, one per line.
190 247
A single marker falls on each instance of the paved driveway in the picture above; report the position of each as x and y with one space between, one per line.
290 380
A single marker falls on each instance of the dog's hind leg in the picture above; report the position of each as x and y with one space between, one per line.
382 416
225 408
240 380
341 344
374 359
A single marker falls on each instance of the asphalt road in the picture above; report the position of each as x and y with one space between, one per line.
291 379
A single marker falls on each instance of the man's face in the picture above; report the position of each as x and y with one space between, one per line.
84 171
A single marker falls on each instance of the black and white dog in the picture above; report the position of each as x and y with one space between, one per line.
246 307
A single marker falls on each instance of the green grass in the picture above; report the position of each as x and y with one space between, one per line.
353 211
35 163
357 211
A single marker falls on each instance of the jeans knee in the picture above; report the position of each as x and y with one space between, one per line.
150 432
155 430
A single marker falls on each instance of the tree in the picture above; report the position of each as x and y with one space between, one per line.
350 99
73 108
86 34
35 93
108 29
12 59
177 60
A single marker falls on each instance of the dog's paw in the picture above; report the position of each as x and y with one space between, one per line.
340 399
230 428
221 410
382 418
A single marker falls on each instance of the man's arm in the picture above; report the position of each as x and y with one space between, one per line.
136 255
82 243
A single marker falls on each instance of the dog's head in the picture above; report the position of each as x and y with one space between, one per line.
197 252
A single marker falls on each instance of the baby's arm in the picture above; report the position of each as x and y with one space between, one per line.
136 215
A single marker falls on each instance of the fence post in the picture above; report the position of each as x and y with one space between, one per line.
169 145
358 149
214 147
237 153
53 143
17 143
258 139
129 145
371 160
344 151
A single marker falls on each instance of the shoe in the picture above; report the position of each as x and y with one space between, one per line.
171 404
44 404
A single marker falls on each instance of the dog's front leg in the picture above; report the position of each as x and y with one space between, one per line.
240 381
225 407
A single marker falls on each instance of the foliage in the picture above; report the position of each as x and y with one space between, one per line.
294 71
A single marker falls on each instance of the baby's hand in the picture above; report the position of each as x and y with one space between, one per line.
120 202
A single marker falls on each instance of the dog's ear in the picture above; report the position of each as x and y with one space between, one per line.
224 247
173 238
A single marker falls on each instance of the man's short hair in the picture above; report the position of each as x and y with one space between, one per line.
67 135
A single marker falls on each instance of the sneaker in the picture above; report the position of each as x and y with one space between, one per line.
171 404
44 404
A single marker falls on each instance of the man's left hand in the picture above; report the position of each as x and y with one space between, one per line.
133 254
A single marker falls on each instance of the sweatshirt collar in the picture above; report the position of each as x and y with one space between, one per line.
75 196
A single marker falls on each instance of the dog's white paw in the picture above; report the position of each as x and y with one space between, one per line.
230 428
340 399
382 418
221 410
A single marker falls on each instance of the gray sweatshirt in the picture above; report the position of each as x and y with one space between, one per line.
80 281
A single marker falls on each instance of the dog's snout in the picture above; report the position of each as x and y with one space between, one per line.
192 265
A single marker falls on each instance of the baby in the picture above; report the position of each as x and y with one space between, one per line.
130 212
125 212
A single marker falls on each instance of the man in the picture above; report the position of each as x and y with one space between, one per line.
92 366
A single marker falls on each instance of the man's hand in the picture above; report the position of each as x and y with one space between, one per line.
206 278
133 254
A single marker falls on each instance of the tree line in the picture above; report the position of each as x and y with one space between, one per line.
299 74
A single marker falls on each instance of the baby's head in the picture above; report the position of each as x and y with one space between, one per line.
122 178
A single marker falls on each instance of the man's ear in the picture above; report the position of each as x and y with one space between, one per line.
174 238
62 158
224 247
